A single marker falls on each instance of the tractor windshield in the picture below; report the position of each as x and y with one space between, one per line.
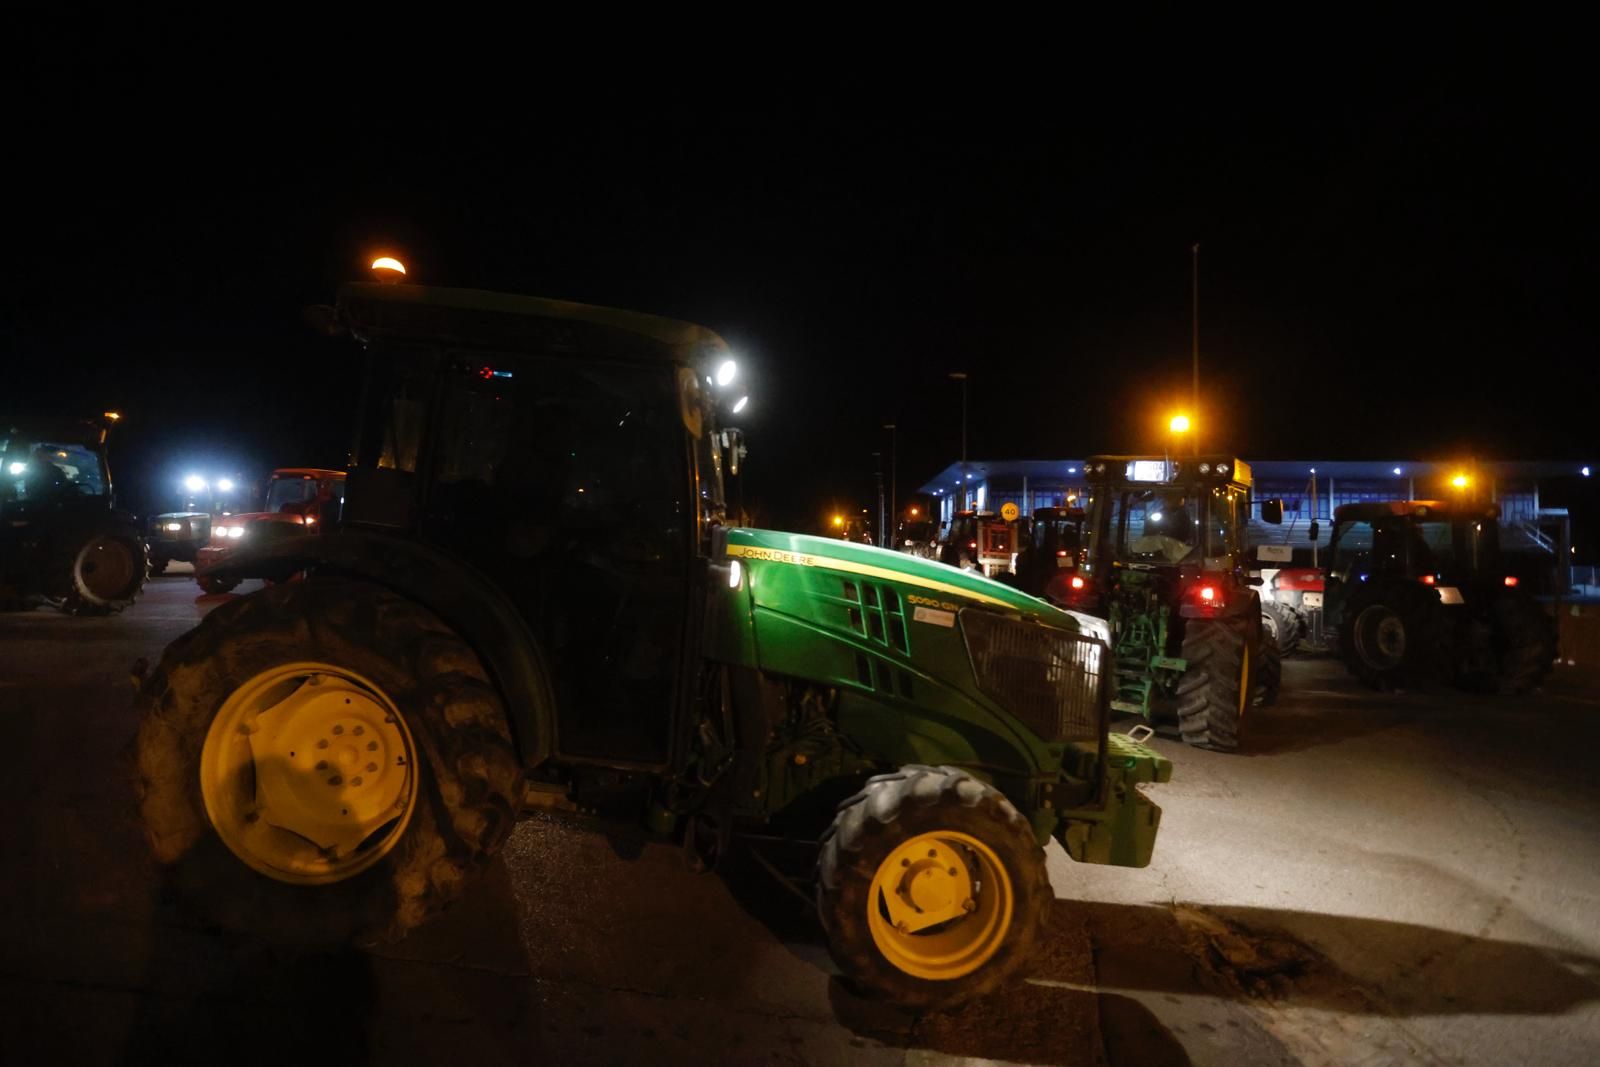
291 490
1157 525
34 469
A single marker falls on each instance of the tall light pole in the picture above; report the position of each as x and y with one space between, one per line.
1194 396
894 499
961 376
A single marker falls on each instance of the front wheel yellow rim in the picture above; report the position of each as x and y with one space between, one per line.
309 773
941 905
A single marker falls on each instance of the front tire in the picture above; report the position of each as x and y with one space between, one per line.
931 887
1215 690
214 584
323 762
105 572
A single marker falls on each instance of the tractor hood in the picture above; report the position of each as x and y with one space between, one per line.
947 587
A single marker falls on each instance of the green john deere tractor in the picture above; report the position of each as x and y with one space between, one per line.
532 602
1167 566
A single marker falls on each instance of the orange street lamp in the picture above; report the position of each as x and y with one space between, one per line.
1459 481
1179 424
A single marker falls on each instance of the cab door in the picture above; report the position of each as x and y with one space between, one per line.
566 481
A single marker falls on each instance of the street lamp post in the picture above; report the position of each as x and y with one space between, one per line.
1194 397
961 376
894 489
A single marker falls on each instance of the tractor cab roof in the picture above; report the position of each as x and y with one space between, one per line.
1167 470
307 472
71 431
1054 514
1441 510
478 319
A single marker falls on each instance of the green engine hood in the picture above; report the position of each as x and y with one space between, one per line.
952 587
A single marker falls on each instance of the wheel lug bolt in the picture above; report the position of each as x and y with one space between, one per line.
372 746
338 729
359 730
933 853
952 872
905 863
322 764
323 743
356 780
371 767
969 905
336 780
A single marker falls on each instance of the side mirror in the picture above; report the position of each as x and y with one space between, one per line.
733 442
1272 512
1315 527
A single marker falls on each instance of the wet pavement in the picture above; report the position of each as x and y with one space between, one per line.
1394 879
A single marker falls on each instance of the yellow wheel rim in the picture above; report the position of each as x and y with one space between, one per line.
1244 679
308 773
941 905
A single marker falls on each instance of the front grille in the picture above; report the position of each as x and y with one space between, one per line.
1053 680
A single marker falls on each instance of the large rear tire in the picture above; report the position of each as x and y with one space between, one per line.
1269 674
105 570
931 887
322 762
1524 641
1282 626
1215 690
1394 634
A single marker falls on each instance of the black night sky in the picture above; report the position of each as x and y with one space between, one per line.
1397 251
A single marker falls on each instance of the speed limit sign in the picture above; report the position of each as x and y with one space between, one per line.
1009 511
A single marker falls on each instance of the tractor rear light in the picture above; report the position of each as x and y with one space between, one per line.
1077 582
1208 594
972 544
1426 579
1061 553
1511 581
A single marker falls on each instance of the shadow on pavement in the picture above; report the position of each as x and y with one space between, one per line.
261 1007
1409 970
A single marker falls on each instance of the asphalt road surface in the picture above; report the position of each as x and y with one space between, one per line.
1411 878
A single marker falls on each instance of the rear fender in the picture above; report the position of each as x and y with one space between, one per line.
467 601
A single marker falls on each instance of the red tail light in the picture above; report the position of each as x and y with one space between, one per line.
1061 553
1208 594
1077 582
1511 581
1426 579
972 544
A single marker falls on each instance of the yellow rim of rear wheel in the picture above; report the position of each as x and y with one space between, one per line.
309 773
1244 678
940 905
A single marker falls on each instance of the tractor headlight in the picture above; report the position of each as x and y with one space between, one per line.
1205 468
1222 469
174 527
236 532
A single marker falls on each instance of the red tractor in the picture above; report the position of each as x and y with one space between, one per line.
300 500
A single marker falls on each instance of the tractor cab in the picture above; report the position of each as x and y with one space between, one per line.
569 453
1051 553
980 541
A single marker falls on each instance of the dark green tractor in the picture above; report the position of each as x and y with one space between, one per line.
62 538
532 602
1168 567
1417 592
